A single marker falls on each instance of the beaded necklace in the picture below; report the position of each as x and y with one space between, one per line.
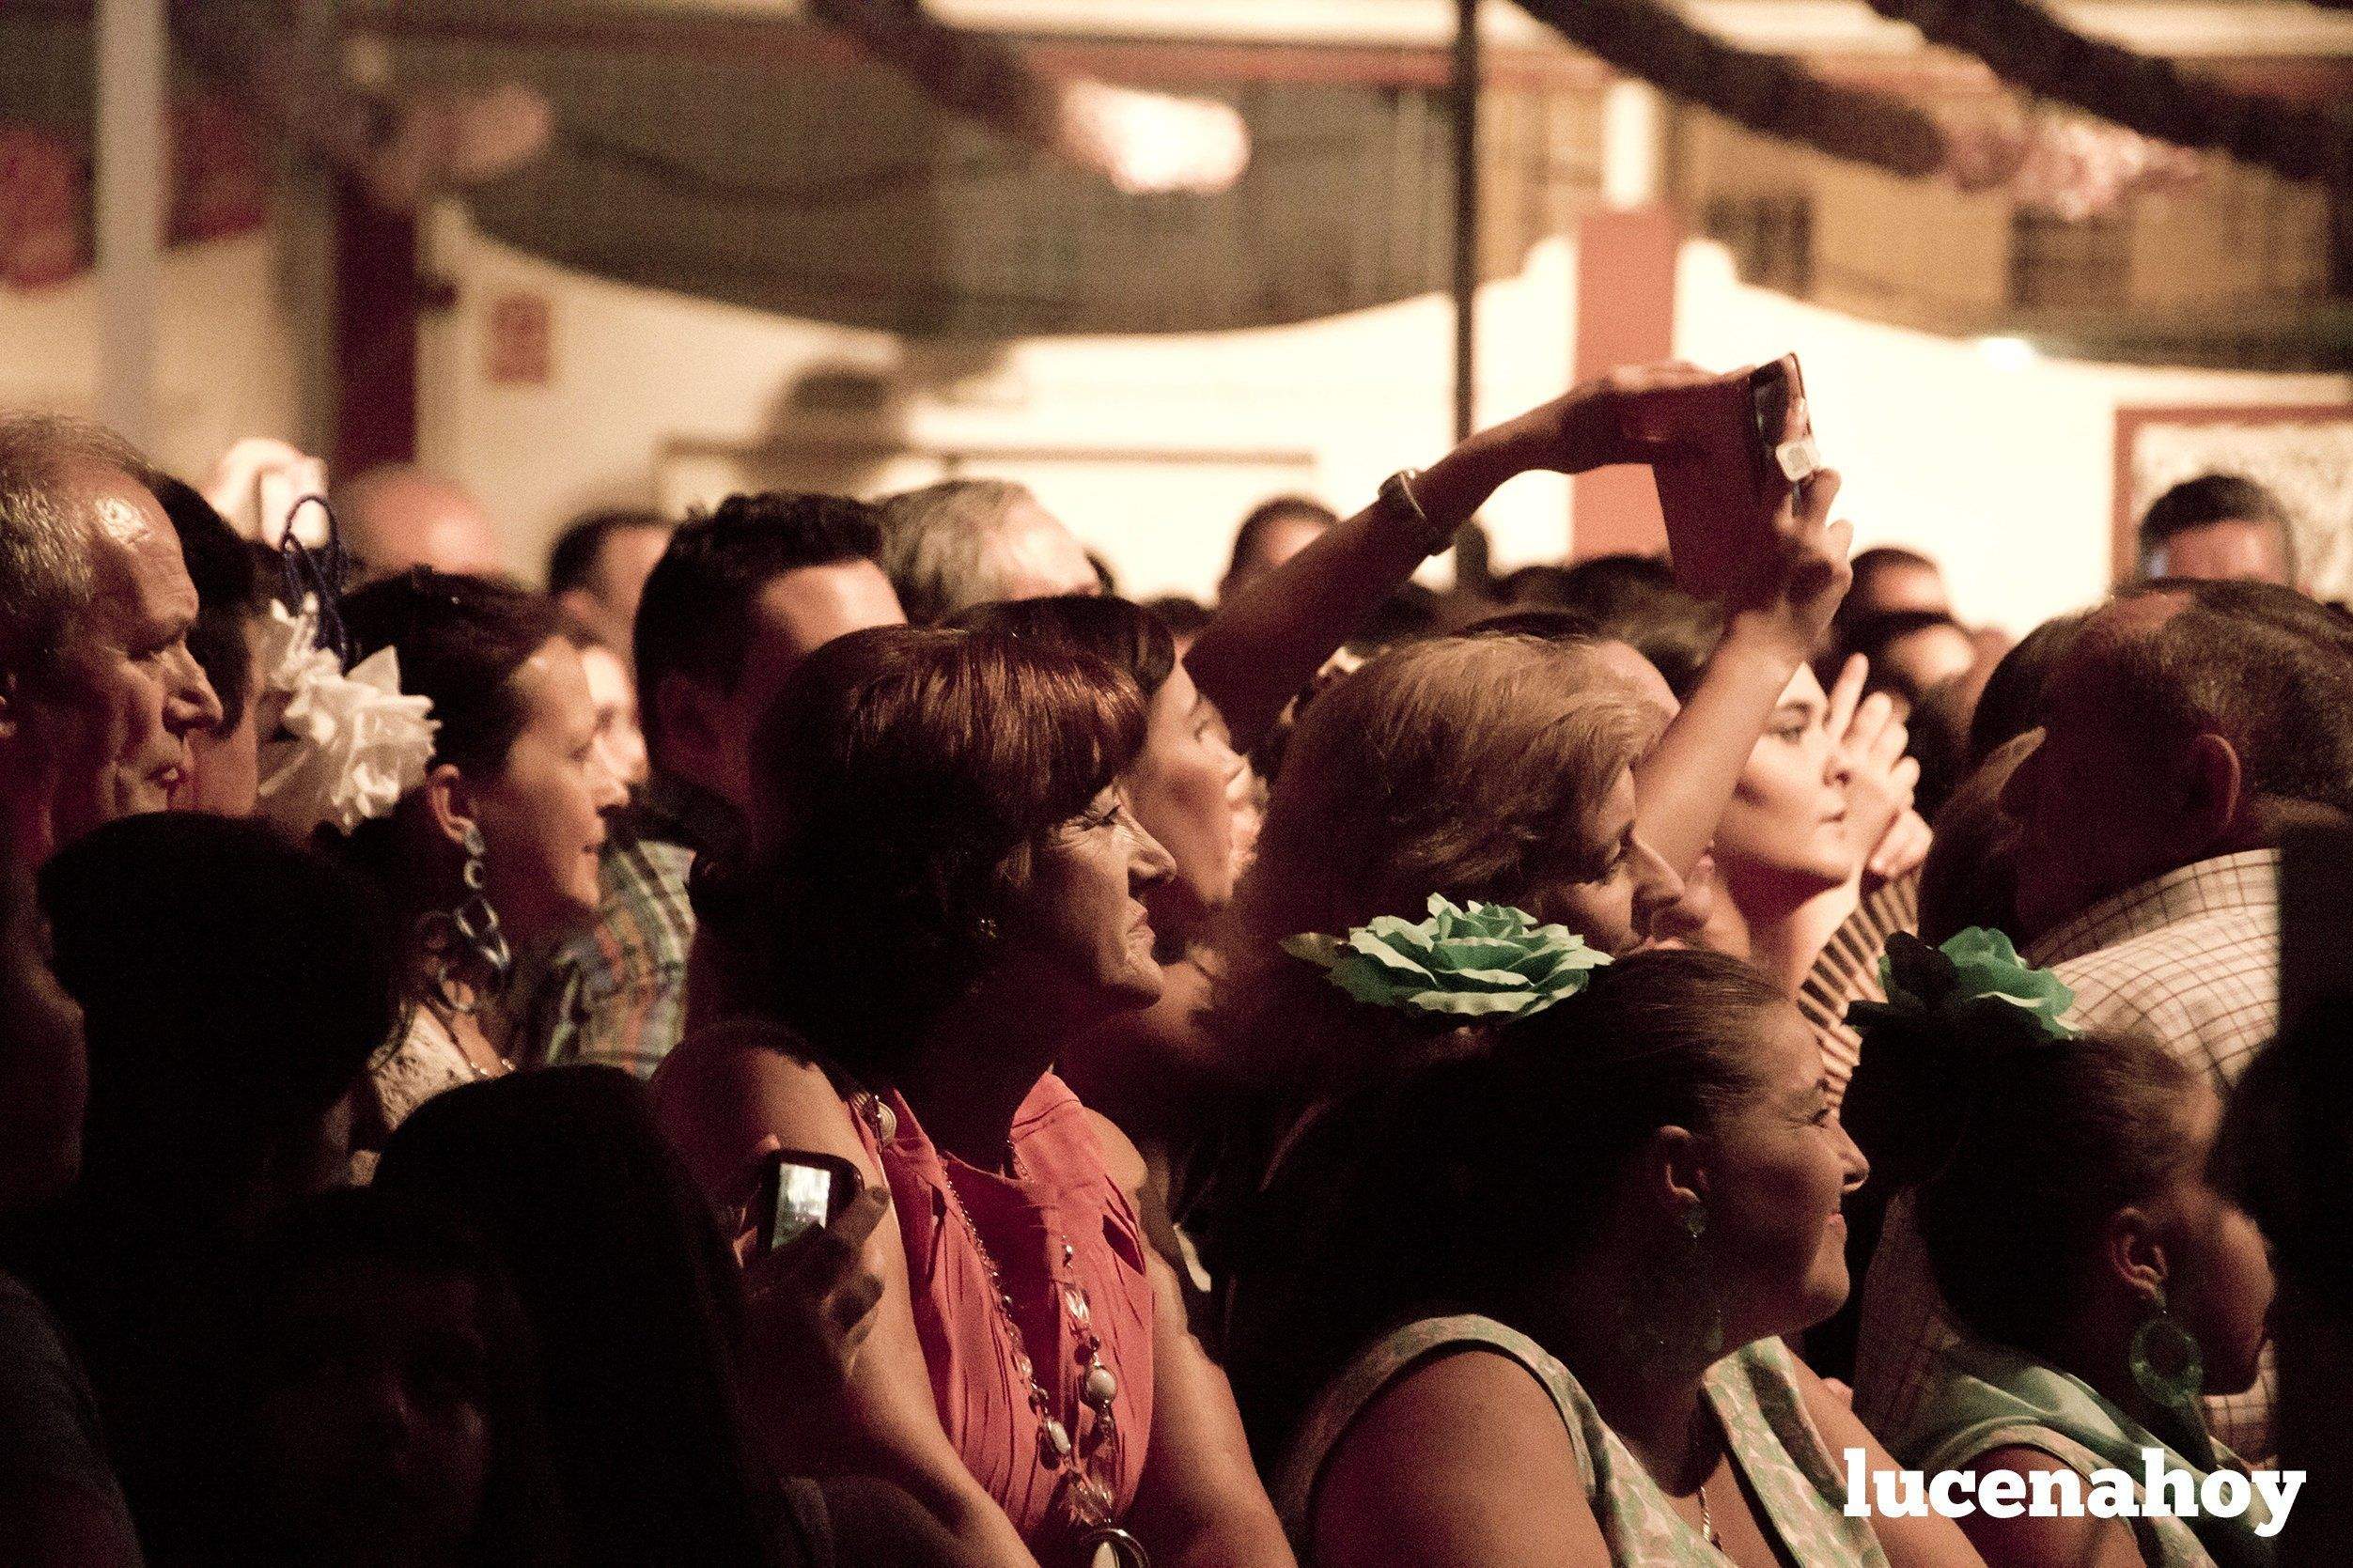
1085 1497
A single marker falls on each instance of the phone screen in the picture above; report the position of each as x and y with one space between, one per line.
804 1195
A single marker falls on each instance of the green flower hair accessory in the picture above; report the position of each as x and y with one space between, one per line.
1473 961
1976 978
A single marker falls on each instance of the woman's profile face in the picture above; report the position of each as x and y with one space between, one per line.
1185 788
2219 1283
1786 822
1624 886
1074 940
542 818
371 1440
1778 1167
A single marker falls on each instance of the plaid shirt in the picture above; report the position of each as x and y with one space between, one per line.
2191 958
616 994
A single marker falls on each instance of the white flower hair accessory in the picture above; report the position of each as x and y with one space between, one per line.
337 747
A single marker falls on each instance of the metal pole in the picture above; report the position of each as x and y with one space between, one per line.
1466 258
128 203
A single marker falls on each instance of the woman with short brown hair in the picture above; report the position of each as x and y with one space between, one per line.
942 892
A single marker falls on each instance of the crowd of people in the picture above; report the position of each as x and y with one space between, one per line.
1561 1071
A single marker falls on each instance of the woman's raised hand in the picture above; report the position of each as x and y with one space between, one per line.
1890 838
1592 424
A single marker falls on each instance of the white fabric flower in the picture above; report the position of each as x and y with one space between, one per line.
336 747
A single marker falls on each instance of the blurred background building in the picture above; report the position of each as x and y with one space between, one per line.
753 253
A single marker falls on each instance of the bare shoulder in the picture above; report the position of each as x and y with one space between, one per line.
1463 1458
2044 1542
729 1090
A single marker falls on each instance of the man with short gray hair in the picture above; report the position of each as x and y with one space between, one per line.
962 542
98 694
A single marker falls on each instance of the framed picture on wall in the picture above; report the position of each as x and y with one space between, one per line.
2302 453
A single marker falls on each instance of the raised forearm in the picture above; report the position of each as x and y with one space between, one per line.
1681 788
1269 640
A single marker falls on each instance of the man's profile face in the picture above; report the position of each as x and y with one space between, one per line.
795 614
2234 550
128 694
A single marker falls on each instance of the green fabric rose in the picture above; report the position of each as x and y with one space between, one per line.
1484 960
1976 977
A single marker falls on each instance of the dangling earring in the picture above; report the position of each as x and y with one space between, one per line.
985 928
467 936
2168 1370
1675 1315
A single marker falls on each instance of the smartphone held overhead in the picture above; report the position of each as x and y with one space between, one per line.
1730 451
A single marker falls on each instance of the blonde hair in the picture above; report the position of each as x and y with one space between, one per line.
1476 766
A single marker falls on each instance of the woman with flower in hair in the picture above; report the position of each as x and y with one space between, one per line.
2099 1280
1526 1303
492 856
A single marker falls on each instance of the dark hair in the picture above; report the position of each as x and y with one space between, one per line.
1127 637
228 572
1571 627
897 782
1873 635
579 550
1540 587
695 617
1889 557
2011 700
2284 1151
1634 599
2019 1152
1266 515
461 641
634 1296
1184 617
2209 499
1407 614
1447 1186
521 1517
235 986
2281 697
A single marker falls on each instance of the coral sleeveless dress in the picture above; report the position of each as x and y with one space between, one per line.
1065 1241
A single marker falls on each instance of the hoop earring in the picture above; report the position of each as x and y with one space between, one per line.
467 936
2168 1367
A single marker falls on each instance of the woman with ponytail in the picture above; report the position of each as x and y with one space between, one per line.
1524 1304
2097 1279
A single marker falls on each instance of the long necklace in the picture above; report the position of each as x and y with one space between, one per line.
1089 1497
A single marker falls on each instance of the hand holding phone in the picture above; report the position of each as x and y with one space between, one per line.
809 1299
1730 451
799 1193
